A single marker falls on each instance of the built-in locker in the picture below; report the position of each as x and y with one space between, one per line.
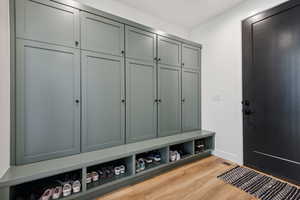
47 101
103 101
191 91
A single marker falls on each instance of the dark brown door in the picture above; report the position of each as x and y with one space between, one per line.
271 91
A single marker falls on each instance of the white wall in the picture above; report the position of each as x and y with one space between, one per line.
136 15
222 75
4 87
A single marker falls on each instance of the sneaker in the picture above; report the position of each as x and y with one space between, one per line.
76 186
122 169
95 176
89 178
57 192
173 156
178 156
117 171
101 174
67 190
47 194
140 165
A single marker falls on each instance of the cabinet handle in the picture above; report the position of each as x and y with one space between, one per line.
77 101
182 64
159 59
76 43
183 100
159 100
122 52
123 101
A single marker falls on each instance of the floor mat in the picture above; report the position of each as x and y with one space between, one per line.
260 186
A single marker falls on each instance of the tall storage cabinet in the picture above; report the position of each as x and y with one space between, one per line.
141 87
48 101
169 86
87 80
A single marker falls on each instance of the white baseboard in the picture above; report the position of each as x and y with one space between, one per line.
228 156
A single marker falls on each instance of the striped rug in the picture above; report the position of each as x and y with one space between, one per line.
260 186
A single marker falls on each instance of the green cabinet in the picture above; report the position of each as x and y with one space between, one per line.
101 34
103 106
191 57
46 21
191 88
47 101
140 45
169 52
141 106
169 95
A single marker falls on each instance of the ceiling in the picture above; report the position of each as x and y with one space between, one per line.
186 13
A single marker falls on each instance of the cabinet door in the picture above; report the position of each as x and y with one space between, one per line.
46 21
101 35
191 89
191 57
103 119
169 100
47 106
141 110
169 52
140 45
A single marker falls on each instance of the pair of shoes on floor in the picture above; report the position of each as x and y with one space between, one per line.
174 156
62 191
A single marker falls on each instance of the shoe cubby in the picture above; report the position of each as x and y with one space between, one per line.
151 159
204 144
108 172
55 187
180 151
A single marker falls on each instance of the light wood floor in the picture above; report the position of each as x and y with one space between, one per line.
195 181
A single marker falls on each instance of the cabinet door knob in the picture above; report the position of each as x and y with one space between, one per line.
123 101
76 43
159 100
183 100
77 101
182 64
159 59
122 52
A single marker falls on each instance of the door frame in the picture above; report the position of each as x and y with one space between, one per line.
247 58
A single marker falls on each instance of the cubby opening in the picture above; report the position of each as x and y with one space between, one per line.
61 186
180 151
151 159
204 144
108 172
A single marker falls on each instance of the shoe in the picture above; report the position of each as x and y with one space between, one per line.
122 169
57 192
101 174
95 176
109 172
47 194
76 186
155 157
173 156
88 178
117 171
140 165
67 190
178 156
148 159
